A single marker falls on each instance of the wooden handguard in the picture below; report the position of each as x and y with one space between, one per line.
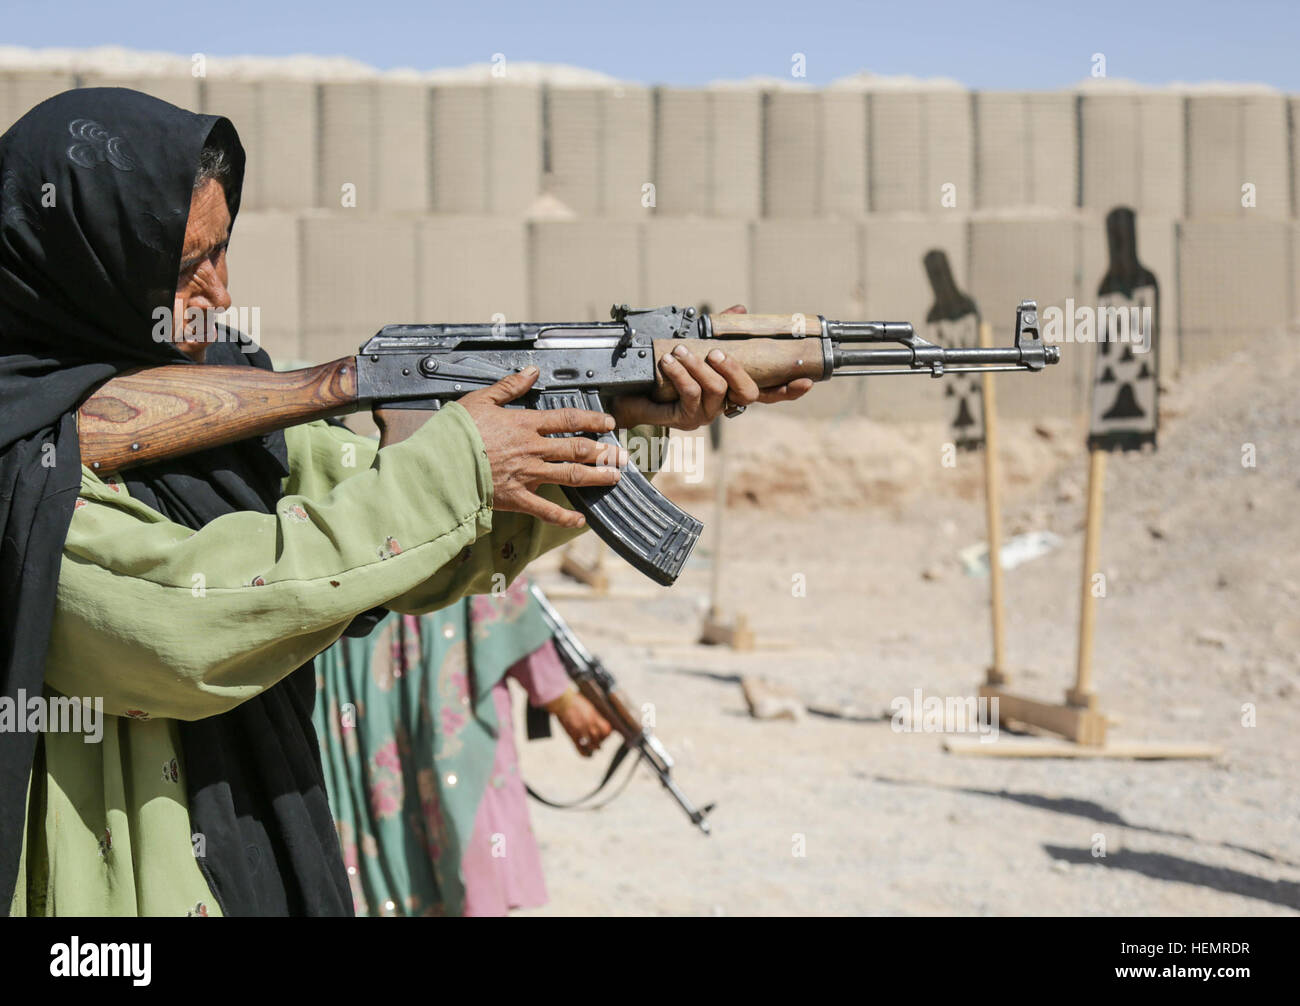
190 408
770 362
765 324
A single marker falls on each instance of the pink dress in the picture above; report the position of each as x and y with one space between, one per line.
501 865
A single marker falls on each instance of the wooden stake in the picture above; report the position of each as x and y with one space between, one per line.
1081 694
719 515
997 673
717 630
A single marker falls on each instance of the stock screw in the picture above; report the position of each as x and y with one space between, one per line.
135 447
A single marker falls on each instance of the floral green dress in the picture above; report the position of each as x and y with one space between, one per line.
409 724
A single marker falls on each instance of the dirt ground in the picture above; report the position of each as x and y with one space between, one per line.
1200 619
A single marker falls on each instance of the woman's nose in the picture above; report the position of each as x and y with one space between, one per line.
213 293
220 296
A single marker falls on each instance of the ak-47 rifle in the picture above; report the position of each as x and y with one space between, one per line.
599 688
405 372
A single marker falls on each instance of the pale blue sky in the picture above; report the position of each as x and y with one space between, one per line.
996 44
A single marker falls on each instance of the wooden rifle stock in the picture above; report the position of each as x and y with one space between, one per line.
157 413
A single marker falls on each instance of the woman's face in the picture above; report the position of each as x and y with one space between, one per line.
201 285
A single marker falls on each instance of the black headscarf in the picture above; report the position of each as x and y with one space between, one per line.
95 189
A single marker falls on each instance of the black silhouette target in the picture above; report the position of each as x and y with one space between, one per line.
964 392
1124 413
954 321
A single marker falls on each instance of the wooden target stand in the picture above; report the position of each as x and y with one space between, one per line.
1079 719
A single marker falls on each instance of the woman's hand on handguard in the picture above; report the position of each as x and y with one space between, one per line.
705 390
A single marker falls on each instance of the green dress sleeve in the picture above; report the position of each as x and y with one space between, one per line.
164 621
331 454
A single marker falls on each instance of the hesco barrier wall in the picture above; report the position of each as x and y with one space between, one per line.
389 199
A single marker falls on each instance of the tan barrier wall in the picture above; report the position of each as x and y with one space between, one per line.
1132 150
518 199
921 143
1234 142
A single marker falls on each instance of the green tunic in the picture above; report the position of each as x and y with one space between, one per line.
165 623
